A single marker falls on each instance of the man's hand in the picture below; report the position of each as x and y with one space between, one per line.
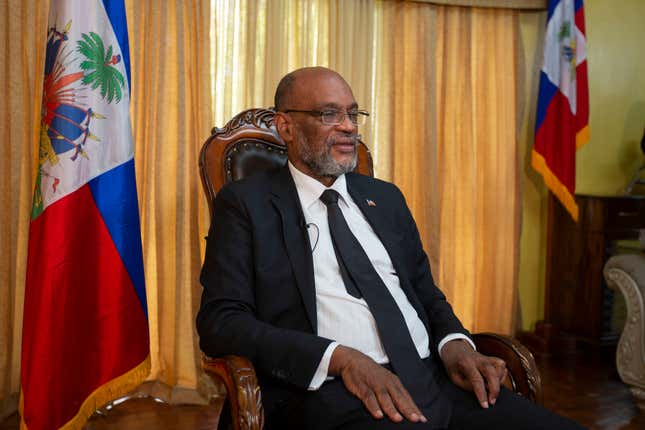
470 370
379 389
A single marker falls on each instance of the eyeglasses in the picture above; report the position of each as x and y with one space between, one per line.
335 117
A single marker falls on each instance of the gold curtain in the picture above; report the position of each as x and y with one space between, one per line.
478 167
23 25
445 127
440 82
256 42
404 109
171 114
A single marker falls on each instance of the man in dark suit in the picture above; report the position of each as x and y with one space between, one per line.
319 277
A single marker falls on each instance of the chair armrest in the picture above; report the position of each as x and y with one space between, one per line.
244 400
523 374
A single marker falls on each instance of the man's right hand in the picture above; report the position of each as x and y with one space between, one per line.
379 389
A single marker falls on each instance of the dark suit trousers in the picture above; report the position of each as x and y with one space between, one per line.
333 407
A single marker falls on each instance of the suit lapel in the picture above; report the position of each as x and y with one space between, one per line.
385 231
375 216
285 199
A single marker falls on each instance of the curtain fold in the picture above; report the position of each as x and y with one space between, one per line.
171 118
409 152
255 43
478 167
24 27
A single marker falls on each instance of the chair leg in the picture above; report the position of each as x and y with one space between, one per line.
242 409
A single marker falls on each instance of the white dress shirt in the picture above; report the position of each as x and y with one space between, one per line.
341 317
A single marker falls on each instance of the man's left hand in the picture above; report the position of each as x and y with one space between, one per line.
472 371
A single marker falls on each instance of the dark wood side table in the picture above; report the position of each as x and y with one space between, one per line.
575 310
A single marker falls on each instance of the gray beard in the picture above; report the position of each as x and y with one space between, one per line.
323 164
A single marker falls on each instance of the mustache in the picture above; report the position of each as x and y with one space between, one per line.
345 138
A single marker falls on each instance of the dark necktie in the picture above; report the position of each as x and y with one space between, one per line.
393 331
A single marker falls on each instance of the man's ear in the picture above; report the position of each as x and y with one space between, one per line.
284 126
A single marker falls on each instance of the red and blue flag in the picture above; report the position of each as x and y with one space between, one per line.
85 331
562 123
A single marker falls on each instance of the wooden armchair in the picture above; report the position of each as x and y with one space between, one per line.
247 144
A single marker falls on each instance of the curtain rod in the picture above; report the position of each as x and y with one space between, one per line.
503 4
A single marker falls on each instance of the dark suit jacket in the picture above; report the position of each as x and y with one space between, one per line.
259 294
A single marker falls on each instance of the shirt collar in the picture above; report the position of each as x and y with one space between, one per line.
310 189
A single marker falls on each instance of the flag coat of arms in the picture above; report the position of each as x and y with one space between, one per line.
562 122
85 331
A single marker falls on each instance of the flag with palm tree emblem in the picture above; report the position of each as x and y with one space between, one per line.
85 329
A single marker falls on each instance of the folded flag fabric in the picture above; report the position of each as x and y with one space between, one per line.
562 123
85 331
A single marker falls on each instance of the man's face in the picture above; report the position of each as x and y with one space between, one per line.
327 156
320 150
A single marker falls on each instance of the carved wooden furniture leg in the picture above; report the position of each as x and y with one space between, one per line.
523 374
242 409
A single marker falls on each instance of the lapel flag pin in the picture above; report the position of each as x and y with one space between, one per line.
370 202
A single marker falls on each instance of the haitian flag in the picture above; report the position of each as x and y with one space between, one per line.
562 124
85 331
